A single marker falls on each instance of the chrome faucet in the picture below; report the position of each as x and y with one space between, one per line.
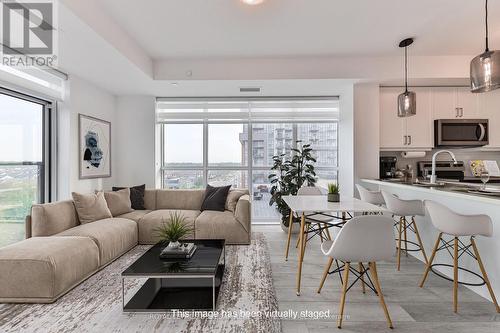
433 174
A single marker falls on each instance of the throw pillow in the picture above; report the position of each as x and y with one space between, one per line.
91 207
233 197
215 198
118 201
136 195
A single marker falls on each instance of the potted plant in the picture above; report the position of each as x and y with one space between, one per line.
289 176
333 192
174 229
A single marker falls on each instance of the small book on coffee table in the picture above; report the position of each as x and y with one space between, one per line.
184 251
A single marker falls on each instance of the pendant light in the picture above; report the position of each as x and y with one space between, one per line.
407 101
485 68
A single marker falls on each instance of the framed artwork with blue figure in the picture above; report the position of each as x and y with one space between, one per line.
95 147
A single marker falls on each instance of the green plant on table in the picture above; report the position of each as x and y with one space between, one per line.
174 229
333 188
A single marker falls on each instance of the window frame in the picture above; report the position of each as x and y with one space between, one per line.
249 168
48 181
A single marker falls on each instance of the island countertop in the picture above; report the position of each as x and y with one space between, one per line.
457 190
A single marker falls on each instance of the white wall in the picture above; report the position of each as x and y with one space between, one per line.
366 131
135 141
85 98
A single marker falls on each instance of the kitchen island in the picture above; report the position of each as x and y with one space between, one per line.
456 197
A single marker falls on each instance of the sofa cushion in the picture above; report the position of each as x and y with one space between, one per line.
41 269
134 215
52 218
232 198
221 225
136 195
113 236
179 199
118 201
215 198
150 199
91 207
151 221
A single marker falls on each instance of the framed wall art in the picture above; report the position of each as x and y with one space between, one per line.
95 147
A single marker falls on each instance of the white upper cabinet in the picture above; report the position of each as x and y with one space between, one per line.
405 133
454 103
419 128
392 127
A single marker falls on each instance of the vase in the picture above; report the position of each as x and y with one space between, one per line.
173 245
333 197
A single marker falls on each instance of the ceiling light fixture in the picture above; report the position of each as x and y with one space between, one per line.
253 2
407 101
485 68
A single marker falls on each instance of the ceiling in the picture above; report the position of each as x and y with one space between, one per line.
169 29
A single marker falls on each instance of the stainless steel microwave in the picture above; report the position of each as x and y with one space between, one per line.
461 132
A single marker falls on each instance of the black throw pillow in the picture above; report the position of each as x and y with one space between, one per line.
215 198
136 195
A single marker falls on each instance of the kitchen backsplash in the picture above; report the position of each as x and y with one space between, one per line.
464 155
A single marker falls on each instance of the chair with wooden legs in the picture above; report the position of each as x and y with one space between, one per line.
363 239
404 209
450 223
314 222
373 197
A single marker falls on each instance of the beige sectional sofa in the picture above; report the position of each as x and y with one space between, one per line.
59 252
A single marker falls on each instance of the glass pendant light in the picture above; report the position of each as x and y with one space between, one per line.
407 101
485 68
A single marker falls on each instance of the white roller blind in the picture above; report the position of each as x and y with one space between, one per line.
255 110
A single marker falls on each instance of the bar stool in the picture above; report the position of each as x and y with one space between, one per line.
450 223
376 234
373 197
403 209
313 221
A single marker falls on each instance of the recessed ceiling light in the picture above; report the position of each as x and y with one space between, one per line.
174 83
253 2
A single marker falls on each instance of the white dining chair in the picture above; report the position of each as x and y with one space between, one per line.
404 209
362 239
448 222
312 220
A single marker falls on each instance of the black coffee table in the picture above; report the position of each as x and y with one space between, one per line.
187 284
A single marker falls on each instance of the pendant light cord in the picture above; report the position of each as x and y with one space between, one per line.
486 22
406 69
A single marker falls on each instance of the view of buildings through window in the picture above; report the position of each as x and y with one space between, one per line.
228 161
21 163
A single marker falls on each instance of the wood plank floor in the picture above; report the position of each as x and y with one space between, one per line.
412 309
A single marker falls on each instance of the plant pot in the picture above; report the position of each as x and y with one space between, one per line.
333 197
295 228
173 245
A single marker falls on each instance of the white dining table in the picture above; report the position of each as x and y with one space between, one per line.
310 205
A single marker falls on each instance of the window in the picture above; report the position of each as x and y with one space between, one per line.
24 156
232 142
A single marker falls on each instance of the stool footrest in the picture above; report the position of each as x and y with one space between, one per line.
441 275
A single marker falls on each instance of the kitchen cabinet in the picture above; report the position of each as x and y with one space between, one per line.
410 133
454 102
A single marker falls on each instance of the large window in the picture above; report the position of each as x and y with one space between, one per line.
24 156
232 142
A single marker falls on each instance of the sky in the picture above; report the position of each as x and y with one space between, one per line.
20 130
223 143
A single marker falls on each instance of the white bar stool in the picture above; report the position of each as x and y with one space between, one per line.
373 197
376 233
403 209
312 221
450 223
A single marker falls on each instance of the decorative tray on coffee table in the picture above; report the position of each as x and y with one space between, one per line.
183 251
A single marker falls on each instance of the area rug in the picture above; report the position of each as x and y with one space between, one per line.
246 301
